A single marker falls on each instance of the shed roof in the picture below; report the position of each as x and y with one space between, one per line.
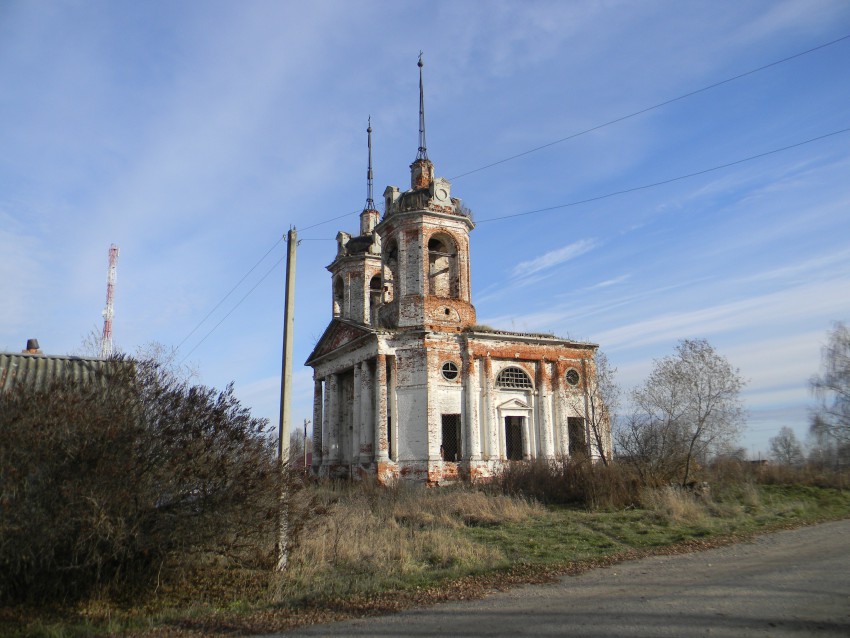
39 370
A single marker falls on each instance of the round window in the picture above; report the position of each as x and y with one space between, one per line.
450 371
572 377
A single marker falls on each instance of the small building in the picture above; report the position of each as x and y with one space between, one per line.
406 384
36 370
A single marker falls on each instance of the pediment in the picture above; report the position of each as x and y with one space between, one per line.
514 404
337 335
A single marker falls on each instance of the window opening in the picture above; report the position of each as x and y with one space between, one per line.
572 377
513 378
450 371
450 446
374 298
578 442
339 293
513 437
442 267
390 270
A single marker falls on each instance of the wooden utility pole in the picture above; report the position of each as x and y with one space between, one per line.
286 395
286 367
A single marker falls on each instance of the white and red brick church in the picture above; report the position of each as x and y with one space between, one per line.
406 384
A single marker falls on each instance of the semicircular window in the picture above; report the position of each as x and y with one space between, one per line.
513 378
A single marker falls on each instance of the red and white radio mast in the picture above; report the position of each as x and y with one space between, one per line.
109 311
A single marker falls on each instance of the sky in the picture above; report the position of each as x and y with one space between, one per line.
194 135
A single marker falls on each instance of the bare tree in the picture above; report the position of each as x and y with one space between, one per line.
603 398
687 410
785 448
831 417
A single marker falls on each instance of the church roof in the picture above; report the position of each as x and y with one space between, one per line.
338 334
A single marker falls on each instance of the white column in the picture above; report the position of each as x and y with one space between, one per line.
318 421
543 392
356 421
333 418
494 429
382 452
473 425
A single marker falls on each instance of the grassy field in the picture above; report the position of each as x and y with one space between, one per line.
371 550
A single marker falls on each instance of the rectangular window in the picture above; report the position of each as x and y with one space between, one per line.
513 437
450 446
578 441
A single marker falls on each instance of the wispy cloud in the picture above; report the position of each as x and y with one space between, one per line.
554 257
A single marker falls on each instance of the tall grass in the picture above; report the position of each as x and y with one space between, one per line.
372 537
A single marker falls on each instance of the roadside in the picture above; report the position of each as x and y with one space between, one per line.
789 583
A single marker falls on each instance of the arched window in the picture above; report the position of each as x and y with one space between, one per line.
513 378
442 267
390 269
374 298
339 296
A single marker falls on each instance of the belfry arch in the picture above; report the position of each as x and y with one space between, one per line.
442 266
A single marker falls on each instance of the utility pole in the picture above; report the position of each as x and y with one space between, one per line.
286 395
286 367
306 421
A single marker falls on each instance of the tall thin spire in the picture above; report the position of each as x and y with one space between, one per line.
370 203
423 150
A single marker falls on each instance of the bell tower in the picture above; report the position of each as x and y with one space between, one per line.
356 271
425 249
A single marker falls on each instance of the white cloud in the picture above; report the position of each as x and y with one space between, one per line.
554 257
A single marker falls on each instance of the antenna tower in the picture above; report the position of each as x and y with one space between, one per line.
109 311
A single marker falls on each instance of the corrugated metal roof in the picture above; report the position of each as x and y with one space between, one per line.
39 370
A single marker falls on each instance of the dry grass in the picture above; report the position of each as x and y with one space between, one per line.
674 504
390 536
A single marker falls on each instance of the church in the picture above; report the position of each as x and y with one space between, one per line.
406 384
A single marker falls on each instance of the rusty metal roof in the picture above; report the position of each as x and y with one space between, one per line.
39 370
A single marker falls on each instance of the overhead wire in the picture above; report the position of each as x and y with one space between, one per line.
665 181
223 299
652 108
624 117
549 208
231 311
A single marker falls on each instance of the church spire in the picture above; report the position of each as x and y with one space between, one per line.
422 170
370 203
369 215
423 150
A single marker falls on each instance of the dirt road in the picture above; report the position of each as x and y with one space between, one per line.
792 583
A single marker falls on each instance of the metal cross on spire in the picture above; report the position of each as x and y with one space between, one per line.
423 150
370 203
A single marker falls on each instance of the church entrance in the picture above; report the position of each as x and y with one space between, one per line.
513 437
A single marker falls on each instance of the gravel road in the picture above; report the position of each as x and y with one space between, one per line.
791 583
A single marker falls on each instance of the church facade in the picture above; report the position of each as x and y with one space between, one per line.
406 384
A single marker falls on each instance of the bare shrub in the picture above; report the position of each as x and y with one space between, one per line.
106 483
568 481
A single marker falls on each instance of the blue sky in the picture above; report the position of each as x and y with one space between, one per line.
194 134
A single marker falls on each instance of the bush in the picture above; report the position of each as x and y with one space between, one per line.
569 481
104 482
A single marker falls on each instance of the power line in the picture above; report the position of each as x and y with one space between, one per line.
223 299
238 303
665 181
622 118
533 150
531 212
651 108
